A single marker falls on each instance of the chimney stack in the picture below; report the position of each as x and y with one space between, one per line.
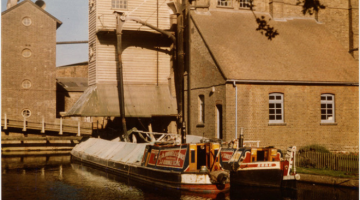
11 3
41 4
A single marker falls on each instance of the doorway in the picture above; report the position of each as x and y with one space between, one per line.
219 128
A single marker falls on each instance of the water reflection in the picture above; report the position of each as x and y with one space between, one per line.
55 177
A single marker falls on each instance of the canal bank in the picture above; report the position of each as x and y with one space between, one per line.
329 180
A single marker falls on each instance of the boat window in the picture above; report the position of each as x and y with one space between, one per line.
260 156
215 154
192 156
236 156
201 156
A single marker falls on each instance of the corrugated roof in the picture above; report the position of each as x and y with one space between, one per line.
140 101
303 51
58 22
72 84
74 64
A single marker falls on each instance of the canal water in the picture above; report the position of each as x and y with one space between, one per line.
56 177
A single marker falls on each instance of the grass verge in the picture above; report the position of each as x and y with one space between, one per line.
327 172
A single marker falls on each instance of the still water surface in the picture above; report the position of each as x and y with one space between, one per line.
55 177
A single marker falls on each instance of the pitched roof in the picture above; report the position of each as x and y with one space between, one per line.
58 22
140 101
303 51
73 84
74 64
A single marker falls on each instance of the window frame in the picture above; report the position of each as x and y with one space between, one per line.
26 53
123 7
219 3
26 21
244 4
26 113
26 84
327 102
276 101
201 109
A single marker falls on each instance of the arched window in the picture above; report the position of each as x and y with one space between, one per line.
276 108
327 108
201 109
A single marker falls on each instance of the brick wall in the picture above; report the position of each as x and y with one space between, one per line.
204 75
39 68
72 71
301 116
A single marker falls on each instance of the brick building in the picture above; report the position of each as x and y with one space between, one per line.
71 82
297 88
28 77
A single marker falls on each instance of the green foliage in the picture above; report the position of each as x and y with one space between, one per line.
314 148
326 172
310 6
306 162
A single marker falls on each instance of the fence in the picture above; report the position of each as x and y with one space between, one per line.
338 162
59 125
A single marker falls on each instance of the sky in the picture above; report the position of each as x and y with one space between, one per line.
74 17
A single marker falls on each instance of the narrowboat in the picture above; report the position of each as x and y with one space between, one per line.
256 166
189 167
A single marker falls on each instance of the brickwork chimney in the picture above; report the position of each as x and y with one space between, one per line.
41 4
11 3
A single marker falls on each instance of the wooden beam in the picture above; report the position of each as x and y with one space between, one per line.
73 42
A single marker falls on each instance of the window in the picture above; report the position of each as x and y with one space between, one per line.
327 108
119 4
201 109
91 53
26 53
276 108
26 113
26 21
192 156
26 84
226 3
244 3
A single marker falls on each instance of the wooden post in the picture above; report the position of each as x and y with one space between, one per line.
43 172
119 24
78 134
61 131
43 125
60 172
24 128
5 122
150 128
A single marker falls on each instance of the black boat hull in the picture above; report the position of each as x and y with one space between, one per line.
263 177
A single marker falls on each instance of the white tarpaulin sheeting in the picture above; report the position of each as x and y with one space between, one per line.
110 150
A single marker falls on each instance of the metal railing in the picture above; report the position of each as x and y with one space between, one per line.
332 161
